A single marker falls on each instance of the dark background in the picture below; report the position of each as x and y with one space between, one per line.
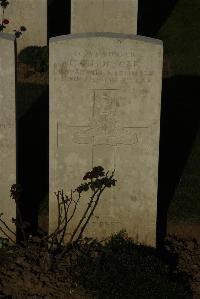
151 15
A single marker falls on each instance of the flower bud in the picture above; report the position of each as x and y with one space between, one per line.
5 21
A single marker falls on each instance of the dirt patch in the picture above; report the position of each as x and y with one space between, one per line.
189 259
31 273
184 230
184 239
34 273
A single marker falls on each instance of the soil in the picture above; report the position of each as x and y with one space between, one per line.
184 239
31 273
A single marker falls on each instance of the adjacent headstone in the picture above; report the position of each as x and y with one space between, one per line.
105 97
33 15
7 130
104 16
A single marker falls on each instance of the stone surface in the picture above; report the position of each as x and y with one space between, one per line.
33 15
104 16
105 97
7 128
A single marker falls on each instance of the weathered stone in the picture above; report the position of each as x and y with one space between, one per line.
104 16
33 15
105 93
7 130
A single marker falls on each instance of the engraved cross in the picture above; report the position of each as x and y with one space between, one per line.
104 128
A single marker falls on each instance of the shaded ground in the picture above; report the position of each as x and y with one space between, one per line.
188 250
31 273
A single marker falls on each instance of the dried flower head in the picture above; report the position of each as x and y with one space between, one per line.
6 21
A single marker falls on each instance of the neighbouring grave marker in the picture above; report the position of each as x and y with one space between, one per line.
32 15
7 129
105 97
104 16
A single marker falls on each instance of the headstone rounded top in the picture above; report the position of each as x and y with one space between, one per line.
106 35
105 100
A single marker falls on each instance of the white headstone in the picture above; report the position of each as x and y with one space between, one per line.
104 16
7 130
33 15
105 97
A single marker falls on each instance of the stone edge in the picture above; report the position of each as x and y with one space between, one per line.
107 35
7 36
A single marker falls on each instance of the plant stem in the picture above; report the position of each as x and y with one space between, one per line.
7 227
66 221
58 230
1 229
21 223
84 215
90 215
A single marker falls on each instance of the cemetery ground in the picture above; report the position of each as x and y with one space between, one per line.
116 268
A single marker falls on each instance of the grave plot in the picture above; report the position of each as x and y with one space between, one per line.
105 94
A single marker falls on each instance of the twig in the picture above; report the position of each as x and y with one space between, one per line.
58 230
21 223
6 235
84 215
7 227
65 217
74 209
58 207
90 215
